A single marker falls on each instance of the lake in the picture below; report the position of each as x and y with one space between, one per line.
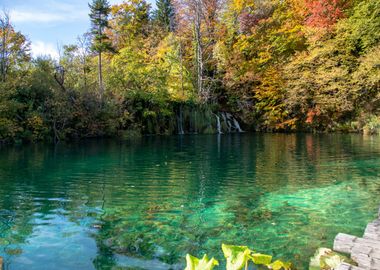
144 204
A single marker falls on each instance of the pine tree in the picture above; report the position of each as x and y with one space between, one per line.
99 11
164 14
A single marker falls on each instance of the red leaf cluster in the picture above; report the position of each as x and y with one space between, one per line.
325 13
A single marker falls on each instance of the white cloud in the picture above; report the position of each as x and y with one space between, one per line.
34 17
115 2
40 48
54 12
50 11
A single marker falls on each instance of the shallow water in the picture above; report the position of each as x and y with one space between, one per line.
145 204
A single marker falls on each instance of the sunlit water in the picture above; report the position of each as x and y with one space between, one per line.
145 204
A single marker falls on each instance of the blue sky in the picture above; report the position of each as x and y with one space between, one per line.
50 23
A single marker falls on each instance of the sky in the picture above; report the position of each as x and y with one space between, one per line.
49 24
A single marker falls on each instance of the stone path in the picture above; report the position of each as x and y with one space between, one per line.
365 251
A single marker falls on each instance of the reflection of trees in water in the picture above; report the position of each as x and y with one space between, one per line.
164 197
14 230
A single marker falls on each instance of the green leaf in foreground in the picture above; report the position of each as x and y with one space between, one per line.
237 256
193 263
278 265
259 258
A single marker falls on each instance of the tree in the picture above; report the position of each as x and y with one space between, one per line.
260 36
14 47
196 26
130 22
84 52
99 11
338 79
164 14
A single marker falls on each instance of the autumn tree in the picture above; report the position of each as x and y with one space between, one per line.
130 23
14 47
260 36
197 23
337 80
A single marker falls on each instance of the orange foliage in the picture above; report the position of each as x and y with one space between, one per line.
311 114
325 13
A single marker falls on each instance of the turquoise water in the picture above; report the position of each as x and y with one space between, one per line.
145 204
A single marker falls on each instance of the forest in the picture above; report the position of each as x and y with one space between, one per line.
197 66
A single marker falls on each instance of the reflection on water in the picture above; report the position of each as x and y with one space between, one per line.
145 204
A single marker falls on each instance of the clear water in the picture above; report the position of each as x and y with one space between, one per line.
145 204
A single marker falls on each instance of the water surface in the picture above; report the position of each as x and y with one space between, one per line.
145 204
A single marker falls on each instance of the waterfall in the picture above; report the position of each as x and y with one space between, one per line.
236 124
231 122
228 124
180 121
197 119
195 122
218 126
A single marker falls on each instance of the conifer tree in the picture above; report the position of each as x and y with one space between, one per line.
99 11
164 14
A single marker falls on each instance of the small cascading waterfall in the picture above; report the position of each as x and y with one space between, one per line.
226 122
180 121
218 125
231 122
194 119
237 126
195 122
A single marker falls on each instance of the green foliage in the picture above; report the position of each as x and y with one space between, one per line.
164 14
99 11
360 31
372 125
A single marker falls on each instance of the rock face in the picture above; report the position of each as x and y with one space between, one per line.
373 230
365 251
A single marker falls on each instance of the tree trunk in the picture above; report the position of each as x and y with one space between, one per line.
2 63
101 88
198 49
85 77
4 40
181 63
84 63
